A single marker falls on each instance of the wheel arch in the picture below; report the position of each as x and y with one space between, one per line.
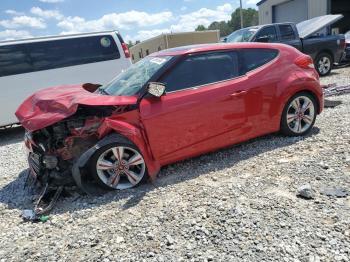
327 51
314 96
112 131
137 136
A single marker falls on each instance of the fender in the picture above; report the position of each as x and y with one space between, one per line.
137 136
152 166
302 84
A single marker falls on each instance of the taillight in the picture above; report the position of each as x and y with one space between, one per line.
305 62
126 50
342 43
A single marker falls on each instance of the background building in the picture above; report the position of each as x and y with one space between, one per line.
170 40
275 11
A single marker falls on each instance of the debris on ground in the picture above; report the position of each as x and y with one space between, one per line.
306 192
30 215
334 192
335 90
43 206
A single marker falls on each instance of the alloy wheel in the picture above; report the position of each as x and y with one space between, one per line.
324 65
120 167
300 114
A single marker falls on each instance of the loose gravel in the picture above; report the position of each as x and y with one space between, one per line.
237 204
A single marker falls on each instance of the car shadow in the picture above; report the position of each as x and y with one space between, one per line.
16 196
342 65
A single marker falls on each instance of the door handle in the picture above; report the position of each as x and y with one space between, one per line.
238 93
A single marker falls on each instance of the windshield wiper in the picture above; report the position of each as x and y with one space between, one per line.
102 91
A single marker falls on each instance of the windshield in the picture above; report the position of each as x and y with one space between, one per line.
130 82
243 35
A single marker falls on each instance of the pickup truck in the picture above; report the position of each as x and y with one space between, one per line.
347 49
308 36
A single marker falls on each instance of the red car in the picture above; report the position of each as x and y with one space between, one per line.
170 106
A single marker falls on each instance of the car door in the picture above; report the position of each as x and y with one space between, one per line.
287 35
266 34
202 110
263 75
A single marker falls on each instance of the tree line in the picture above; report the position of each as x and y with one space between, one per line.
250 18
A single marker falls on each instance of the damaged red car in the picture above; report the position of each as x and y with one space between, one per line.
172 105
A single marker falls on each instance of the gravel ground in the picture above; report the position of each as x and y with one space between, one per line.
238 204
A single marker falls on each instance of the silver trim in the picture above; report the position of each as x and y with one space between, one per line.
120 167
300 114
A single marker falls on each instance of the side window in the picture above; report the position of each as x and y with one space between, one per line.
37 56
287 32
269 32
197 70
254 58
14 60
70 52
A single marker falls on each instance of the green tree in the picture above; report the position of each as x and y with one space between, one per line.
250 18
130 43
201 28
222 26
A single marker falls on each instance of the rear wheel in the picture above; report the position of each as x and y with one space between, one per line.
299 115
118 166
324 64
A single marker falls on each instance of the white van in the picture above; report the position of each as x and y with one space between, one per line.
32 64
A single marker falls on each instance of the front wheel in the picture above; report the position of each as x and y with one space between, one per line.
324 64
118 166
299 115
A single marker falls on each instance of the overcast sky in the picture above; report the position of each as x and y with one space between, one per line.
135 19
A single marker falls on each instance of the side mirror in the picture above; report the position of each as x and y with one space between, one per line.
263 39
224 40
156 89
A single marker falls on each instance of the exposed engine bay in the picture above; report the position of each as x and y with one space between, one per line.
53 150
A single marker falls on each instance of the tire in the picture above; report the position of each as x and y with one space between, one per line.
111 174
324 64
297 119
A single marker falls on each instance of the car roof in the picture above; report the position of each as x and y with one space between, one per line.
184 50
55 37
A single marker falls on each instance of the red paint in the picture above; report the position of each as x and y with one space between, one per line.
194 121
54 104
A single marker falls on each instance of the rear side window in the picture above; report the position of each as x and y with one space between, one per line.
287 32
197 70
269 32
57 53
254 58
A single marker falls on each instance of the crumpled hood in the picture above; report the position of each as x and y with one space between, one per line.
51 105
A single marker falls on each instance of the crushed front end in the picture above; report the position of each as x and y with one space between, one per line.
53 150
